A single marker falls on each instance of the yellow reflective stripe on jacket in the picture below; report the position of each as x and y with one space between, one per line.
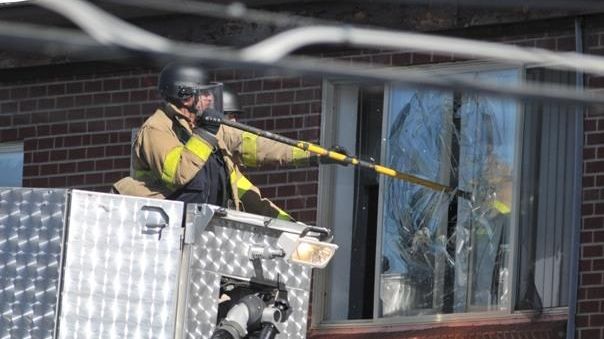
248 148
199 147
171 161
501 207
196 145
299 155
243 185
283 215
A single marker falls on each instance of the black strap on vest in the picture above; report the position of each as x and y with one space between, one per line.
214 171
207 136
181 132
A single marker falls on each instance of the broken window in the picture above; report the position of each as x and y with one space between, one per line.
408 251
444 254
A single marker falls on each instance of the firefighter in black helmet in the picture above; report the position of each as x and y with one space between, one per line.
230 104
179 155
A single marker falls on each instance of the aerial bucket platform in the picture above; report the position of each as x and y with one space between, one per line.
79 264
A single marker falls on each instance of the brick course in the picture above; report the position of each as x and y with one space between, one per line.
68 140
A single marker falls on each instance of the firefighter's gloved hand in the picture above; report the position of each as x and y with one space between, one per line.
325 160
210 120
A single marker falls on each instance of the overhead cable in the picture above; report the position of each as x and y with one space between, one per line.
26 37
238 10
282 44
235 10
119 33
325 32
575 5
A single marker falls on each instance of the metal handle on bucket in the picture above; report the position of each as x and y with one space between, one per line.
153 220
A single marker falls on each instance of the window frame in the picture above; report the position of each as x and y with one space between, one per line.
325 211
326 185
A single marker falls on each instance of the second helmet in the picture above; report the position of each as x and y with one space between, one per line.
230 101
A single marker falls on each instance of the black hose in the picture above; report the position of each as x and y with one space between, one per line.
269 331
222 334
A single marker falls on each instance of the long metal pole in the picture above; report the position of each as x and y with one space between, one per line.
343 158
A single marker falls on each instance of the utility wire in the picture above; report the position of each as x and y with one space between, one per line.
46 39
117 33
236 10
576 5
328 32
282 44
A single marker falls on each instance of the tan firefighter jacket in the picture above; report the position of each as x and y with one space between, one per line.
165 159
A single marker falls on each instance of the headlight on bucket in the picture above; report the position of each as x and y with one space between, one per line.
306 250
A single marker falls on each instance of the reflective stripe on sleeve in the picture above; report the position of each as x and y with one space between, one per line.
199 147
283 215
300 156
171 161
248 149
233 177
243 185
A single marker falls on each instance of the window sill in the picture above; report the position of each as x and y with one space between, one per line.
390 325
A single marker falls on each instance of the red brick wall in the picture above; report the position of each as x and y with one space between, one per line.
590 307
77 129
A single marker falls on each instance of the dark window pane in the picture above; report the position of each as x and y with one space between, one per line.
546 199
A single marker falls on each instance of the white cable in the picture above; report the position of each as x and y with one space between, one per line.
132 40
328 32
282 44
96 23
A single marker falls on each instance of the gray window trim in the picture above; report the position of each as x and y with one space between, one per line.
327 179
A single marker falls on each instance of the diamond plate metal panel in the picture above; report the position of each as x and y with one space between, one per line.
204 288
121 267
31 234
222 250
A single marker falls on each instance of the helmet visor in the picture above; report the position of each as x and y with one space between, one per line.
210 96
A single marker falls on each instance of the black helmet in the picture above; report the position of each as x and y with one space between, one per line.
230 101
179 81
